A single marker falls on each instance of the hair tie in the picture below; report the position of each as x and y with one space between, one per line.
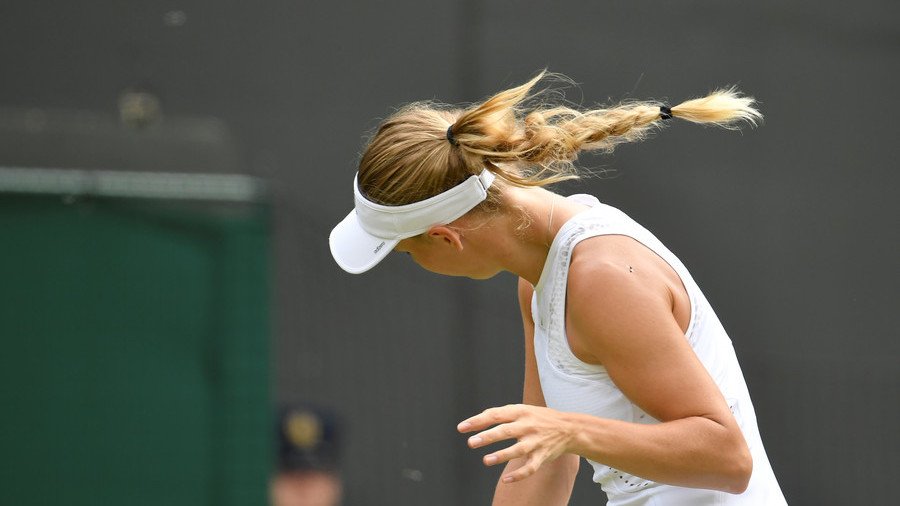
450 137
665 112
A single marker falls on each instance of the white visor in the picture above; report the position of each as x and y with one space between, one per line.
371 230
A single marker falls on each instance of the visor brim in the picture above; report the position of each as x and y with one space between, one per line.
354 249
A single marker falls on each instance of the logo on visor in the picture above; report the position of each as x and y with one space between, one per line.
377 249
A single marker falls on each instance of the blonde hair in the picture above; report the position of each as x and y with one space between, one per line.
411 156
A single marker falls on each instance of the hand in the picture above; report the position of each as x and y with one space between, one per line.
542 434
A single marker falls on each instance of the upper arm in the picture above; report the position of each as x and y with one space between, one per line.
531 392
626 322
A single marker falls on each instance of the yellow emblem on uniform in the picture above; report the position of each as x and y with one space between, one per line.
303 429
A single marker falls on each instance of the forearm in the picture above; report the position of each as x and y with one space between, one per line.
691 452
551 485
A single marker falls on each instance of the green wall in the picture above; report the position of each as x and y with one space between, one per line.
134 366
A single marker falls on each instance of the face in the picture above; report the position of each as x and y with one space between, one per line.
445 252
308 488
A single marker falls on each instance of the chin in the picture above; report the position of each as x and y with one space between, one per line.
482 275
470 275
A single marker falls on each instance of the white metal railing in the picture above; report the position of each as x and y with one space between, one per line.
153 185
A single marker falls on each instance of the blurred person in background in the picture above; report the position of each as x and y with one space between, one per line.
308 472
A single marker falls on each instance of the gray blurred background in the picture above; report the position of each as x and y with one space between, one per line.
791 229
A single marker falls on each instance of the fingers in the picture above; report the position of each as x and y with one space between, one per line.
518 450
532 463
536 433
499 433
488 417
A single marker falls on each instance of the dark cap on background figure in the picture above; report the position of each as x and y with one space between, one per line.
308 439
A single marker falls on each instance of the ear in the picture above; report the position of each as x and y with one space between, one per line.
446 235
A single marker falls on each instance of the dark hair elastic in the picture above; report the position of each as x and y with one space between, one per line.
665 112
450 137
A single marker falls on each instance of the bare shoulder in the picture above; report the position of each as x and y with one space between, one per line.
613 265
620 313
618 296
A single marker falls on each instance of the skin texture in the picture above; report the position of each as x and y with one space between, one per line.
626 310
306 488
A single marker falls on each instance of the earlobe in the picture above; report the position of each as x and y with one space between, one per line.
447 235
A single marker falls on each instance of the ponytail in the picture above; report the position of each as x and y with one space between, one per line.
426 148
547 139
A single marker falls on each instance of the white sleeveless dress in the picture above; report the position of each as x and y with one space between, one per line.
571 385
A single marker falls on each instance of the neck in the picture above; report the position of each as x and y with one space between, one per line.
524 251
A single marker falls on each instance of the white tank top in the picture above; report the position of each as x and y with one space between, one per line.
571 385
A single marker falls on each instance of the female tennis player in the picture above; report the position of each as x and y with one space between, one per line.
626 363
